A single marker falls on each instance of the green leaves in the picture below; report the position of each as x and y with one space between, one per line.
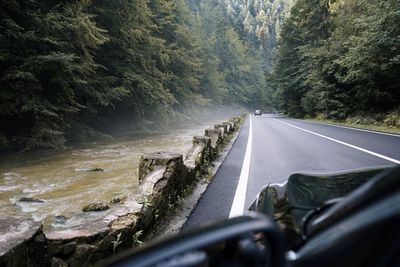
97 65
345 58
47 61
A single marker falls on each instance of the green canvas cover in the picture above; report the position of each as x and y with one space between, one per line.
305 193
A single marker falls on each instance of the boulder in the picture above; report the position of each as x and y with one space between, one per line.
89 170
31 200
118 199
76 246
124 222
96 170
96 206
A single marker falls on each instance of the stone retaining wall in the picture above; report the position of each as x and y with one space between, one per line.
164 179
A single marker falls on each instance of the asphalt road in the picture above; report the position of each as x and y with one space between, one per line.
282 146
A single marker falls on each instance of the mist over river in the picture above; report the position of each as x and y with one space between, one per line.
63 180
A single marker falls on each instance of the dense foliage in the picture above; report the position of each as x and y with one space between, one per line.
339 59
71 69
260 22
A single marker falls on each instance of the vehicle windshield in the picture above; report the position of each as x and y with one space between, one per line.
123 122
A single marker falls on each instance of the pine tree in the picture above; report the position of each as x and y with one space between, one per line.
47 62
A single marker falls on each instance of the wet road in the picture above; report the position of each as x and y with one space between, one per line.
277 147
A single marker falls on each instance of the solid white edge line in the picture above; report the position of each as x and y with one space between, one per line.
351 128
343 143
281 184
239 200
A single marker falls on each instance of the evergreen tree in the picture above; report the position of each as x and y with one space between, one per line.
46 64
344 58
72 69
133 60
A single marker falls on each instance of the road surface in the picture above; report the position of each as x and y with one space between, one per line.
270 148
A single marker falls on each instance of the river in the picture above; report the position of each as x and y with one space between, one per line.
63 181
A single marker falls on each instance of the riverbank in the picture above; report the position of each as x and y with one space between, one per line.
65 181
164 180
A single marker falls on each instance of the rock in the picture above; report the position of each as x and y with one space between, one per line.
160 187
234 125
65 249
60 219
224 128
90 170
201 140
215 135
164 180
229 127
96 170
124 222
236 122
82 255
199 154
148 182
96 206
150 161
22 243
208 132
118 199
87 231
30 199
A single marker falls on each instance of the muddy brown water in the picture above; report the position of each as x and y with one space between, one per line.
63 180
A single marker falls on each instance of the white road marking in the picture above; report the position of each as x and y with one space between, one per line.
343 143
237 208
352 128
281 184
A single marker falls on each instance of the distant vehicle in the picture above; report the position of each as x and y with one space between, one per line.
342 219
257 112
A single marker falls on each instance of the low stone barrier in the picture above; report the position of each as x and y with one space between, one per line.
229 128
222 127
200 154
215 136
164 179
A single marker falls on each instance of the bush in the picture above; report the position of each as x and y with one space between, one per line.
392 119
363 120
320 116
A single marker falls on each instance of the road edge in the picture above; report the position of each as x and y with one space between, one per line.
176 223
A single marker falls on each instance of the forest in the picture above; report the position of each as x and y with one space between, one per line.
339 60
78 69
75 70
